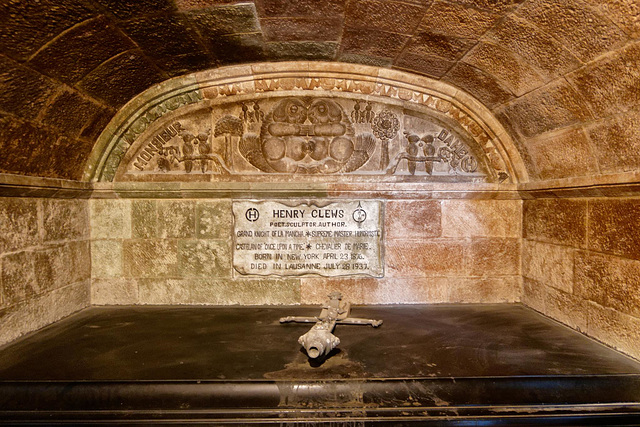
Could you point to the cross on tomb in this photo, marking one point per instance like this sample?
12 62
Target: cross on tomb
319 340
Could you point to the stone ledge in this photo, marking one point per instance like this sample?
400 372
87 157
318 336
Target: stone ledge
32 186
617 185
611 185
504 400
104 190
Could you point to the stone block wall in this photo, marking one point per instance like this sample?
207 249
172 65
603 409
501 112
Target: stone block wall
147 251
573 259
45 264
581 266
178 251
440 251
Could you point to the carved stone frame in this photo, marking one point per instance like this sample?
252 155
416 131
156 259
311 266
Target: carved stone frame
326 79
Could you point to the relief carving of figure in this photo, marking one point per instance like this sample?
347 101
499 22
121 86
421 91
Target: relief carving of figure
423 150
306 135
187 150
251 116
191 151
362 116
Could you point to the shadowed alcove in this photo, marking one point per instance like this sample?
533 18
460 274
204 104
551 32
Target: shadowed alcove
498 142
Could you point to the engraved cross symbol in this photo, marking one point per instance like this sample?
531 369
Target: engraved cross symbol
359 215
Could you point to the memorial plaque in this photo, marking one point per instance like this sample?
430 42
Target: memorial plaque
289 239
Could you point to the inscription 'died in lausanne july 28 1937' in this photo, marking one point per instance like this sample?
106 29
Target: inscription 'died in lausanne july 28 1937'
335 239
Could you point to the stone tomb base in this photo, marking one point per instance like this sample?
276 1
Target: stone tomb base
444 365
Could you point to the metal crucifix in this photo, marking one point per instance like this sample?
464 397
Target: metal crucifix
319 340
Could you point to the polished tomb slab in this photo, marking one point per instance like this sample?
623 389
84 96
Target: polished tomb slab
441 364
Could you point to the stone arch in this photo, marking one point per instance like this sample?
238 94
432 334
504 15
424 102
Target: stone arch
466 129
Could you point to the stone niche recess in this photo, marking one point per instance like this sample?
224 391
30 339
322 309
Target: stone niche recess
182 171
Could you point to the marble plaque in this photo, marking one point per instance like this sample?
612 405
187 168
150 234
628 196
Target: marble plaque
289 239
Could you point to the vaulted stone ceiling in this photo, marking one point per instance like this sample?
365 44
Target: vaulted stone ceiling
563 76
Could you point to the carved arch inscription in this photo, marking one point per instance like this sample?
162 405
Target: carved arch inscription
311 126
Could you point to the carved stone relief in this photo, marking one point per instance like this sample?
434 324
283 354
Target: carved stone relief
250 94
307 136
304 135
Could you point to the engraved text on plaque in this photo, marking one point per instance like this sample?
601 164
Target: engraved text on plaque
335 239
